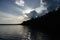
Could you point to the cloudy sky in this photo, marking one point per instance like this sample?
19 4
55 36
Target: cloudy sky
14 11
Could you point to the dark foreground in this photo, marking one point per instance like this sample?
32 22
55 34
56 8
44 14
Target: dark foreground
48 24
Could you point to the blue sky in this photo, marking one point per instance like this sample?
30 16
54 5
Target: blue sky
14 11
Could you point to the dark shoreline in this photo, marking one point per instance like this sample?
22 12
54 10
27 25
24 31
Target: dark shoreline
9 24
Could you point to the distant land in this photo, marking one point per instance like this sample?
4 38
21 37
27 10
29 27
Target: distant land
9 24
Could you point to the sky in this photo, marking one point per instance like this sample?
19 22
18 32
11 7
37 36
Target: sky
14 11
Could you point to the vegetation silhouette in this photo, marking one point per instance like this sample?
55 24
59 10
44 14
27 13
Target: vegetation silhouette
47 24
50 19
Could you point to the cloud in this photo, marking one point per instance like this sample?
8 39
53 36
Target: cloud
47 5
20 2
27 11
41 9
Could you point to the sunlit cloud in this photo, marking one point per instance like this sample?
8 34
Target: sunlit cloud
28 10
42 7
20 2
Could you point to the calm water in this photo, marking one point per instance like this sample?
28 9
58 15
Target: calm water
19 32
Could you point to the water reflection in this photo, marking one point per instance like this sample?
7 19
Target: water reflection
13 32
19 32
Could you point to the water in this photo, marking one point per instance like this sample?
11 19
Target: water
19 32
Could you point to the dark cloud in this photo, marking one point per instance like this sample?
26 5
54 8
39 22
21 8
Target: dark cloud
52 4
33 14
